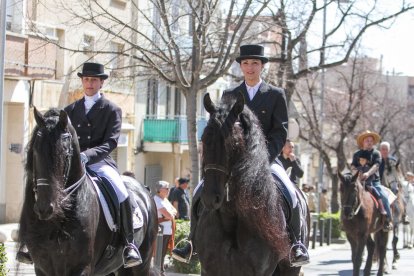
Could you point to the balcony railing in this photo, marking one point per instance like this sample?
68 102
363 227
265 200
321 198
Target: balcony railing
170 130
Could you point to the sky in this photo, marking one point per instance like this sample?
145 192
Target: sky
395 44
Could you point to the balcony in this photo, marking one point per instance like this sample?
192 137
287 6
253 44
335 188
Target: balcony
172 130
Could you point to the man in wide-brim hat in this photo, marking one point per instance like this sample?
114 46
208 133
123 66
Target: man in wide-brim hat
367 133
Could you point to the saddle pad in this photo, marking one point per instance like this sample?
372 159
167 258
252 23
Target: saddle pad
390 195
108 217
137 216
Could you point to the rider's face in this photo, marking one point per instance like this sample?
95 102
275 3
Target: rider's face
384 151
251 68
91 85
368 142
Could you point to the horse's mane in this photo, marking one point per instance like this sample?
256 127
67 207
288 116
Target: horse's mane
255 192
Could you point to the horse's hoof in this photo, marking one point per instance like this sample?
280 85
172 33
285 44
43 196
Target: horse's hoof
394 267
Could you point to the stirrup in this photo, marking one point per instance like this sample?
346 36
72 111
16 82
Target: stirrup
304 249
133 247
178 257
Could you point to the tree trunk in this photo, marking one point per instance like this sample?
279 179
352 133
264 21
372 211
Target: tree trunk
191 106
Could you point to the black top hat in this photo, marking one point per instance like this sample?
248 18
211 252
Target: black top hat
91 69
183 181
253 51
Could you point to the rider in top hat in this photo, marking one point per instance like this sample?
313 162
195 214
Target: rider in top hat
98 125
369 172
269 105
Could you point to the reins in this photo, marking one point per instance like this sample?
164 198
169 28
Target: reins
222 169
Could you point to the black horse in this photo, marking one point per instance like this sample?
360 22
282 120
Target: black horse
242 229
62 222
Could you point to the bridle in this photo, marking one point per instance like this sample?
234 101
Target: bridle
68 152
222 169
356 206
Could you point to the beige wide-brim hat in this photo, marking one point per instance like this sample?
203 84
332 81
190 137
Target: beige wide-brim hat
365 134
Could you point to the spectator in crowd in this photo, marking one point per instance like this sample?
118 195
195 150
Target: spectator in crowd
180 199
166 213
323 201
288 159
176 184
311 199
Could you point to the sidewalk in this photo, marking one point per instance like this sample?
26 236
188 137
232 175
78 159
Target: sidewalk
6 230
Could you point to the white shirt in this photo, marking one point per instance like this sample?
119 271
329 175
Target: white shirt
90 101
164 203
252 90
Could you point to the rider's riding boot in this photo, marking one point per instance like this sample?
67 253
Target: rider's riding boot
298 252
184 254
24 256
381 207
132 256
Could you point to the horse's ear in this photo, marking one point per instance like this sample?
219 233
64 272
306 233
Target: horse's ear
208 104
63 120
355 177
40 121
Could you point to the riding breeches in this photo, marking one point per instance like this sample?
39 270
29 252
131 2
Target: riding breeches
281 174
104 170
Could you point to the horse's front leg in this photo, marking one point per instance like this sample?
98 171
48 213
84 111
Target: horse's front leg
370 249
381 240
356 255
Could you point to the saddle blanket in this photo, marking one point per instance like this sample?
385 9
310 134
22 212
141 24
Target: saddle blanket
390 195
137 216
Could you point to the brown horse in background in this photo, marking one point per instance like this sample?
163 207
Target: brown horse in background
392 179
360 218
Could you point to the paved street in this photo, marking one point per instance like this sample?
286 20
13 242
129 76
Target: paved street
337 261
325 261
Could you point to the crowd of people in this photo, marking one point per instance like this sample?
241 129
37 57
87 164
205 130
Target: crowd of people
172 203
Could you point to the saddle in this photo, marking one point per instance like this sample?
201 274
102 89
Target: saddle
110 203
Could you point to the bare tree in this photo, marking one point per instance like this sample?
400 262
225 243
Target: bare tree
188 44
192 61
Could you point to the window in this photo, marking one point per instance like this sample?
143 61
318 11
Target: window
177 102
117 59
88 44
168 102
152 97
157 23
411 92
175 12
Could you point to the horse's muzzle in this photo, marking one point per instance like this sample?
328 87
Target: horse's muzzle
44 211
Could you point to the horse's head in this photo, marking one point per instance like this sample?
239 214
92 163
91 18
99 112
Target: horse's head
50 155
218 148
350 194
392 177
